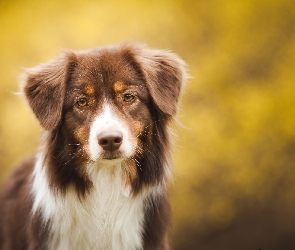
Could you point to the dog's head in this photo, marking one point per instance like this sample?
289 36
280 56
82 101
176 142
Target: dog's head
107 106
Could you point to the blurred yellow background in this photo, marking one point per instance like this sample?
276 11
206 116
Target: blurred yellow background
234 184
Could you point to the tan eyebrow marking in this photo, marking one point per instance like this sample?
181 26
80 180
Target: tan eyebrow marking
119 87
89 90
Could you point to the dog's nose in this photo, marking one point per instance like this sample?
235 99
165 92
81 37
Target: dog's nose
110 140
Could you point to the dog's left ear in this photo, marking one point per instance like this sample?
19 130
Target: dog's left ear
44 87
165 75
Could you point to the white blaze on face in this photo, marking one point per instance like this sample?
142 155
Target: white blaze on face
106 121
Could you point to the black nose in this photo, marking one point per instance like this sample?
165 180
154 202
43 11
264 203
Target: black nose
110 140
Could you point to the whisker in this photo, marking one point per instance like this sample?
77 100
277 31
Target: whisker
138 164
154 122
74 155
145 131
147 150
77 144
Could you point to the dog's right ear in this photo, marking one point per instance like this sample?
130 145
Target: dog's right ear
44 87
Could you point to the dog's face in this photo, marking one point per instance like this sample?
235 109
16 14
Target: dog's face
106 106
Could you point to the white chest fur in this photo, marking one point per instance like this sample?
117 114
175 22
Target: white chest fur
107 218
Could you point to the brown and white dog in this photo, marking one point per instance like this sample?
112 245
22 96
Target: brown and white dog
98 180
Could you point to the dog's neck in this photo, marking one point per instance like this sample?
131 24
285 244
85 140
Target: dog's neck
108 217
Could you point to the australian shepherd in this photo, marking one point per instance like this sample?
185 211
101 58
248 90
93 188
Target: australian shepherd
98 179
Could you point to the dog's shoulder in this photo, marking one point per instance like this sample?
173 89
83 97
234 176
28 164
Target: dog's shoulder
17 180
15 203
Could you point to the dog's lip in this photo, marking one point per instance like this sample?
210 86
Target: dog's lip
110 158
111 155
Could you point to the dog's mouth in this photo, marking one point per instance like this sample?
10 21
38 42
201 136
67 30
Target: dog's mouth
114 155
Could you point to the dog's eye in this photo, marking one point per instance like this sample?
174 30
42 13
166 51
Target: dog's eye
128 98
82 102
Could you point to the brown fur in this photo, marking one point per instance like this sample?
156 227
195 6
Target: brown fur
52 91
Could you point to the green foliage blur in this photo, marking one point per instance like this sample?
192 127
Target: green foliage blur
234 185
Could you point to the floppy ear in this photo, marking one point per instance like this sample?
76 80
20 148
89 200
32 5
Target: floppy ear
165 76
44 87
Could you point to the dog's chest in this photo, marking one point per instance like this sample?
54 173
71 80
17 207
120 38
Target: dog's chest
108 218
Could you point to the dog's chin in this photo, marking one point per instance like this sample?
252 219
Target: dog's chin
110 158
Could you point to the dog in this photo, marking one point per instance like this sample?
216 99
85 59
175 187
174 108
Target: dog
99 178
